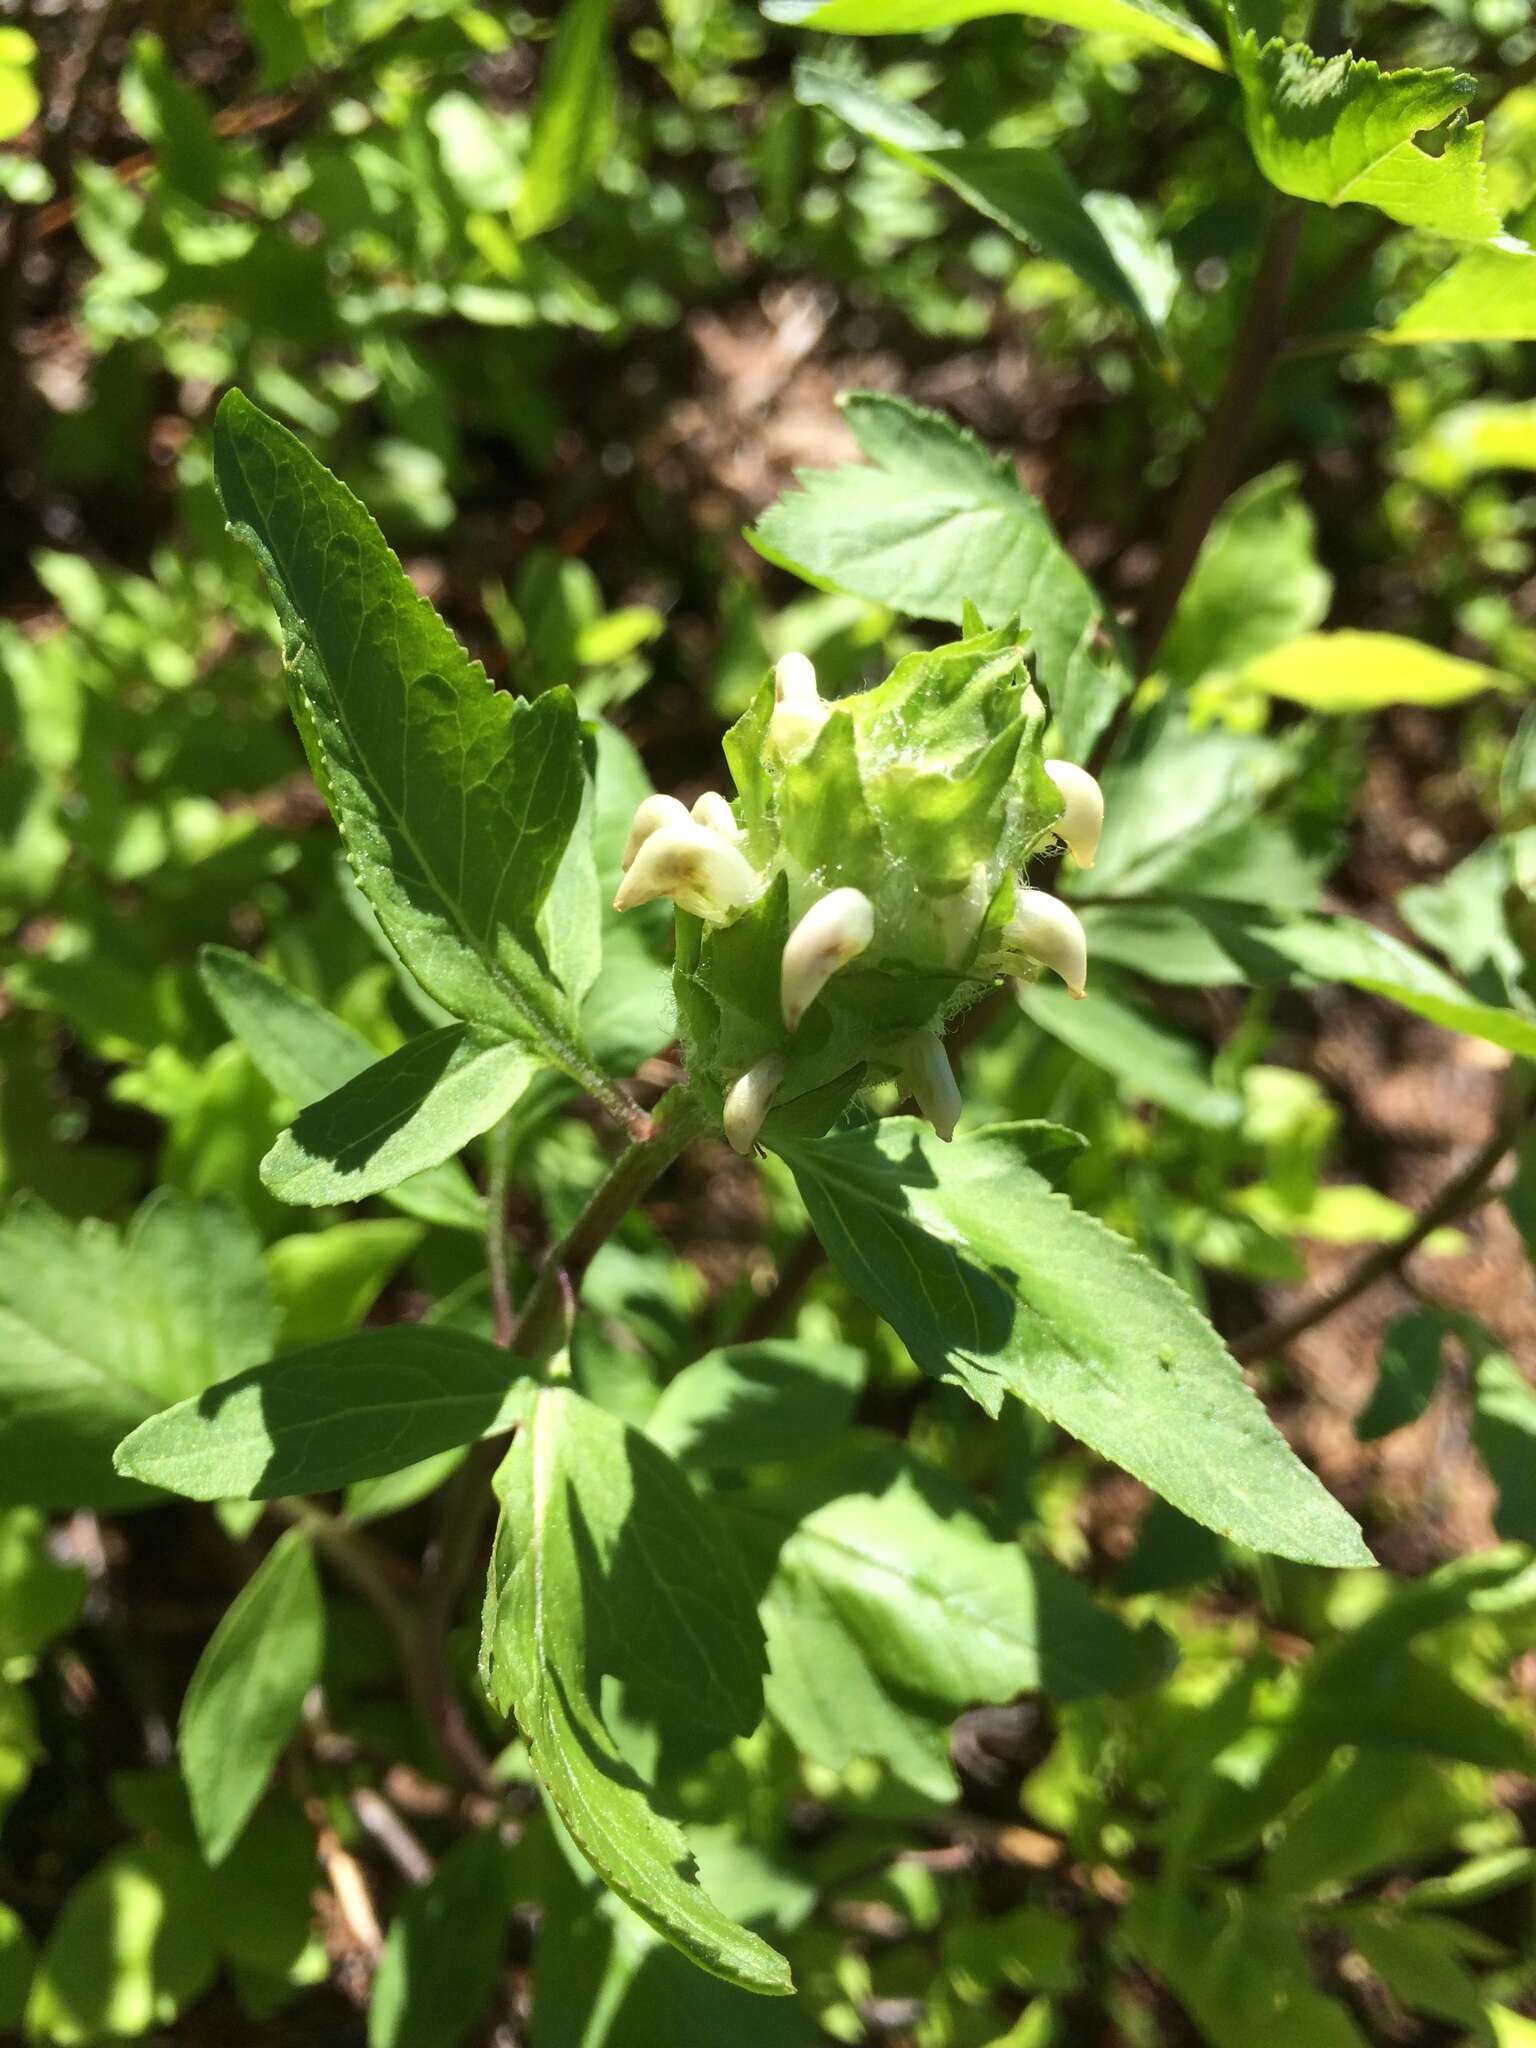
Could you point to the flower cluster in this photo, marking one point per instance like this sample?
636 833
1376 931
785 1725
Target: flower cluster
866 885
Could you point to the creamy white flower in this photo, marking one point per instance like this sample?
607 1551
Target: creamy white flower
713 812
653 815
1082 817
831 933
695 867
931 1082
794 680
1043 929
749 1101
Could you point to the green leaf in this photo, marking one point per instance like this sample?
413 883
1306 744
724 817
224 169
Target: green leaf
1504 1431
1418 1960
996 1284
445 1950
606 1565
1152 1059
19 99
98 1330
932 522
1257 584
39 1599
353 1409
1027 191
754 1404
247 1692
1487 295
131 1948
325 1281
304 1053
1407 1372
402 1116
456 802
1145 20
889 1606
1340 129
1349 672
573 119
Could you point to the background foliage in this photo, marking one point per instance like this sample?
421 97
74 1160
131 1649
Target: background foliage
1206 346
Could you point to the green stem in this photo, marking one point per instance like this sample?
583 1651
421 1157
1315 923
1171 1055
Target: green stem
498 1175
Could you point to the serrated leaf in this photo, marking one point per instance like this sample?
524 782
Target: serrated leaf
754 1404
1340 129
1487 295
996 1284
305 1053
98 1330
606 1565
1027 191
1145 20
355 1408
401 1116
889 1605
247 1692
456 802
931 522
1346 672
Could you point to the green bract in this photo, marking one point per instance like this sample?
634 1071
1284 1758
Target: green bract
869 876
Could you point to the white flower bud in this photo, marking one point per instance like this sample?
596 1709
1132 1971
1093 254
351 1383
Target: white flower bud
794 680
930 1081
1044 929
1082 818
750 1100
831 933
692 865
794 725
713 812
1032 704
655 813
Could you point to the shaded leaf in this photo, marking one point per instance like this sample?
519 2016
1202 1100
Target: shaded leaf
754 1404
445 1950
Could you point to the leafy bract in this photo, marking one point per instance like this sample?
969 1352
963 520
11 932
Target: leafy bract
889 1606
606 1566
321 1417
1027 191
247 1692
400 1117
932 523
1350 672
996 1284
305 1052
1486 295
456 802
1338 128
1146 20
98 1330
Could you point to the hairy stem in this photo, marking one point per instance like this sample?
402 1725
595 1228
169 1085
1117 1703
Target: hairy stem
1209 479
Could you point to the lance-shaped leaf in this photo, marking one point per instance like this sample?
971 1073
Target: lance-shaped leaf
889 1606
572 119
1027 191
456 802
997 1284
246 1694
305 1052
99 1329
1347 672
1338 129
354 1408
1149 21
399 1117
608 1573
933 522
